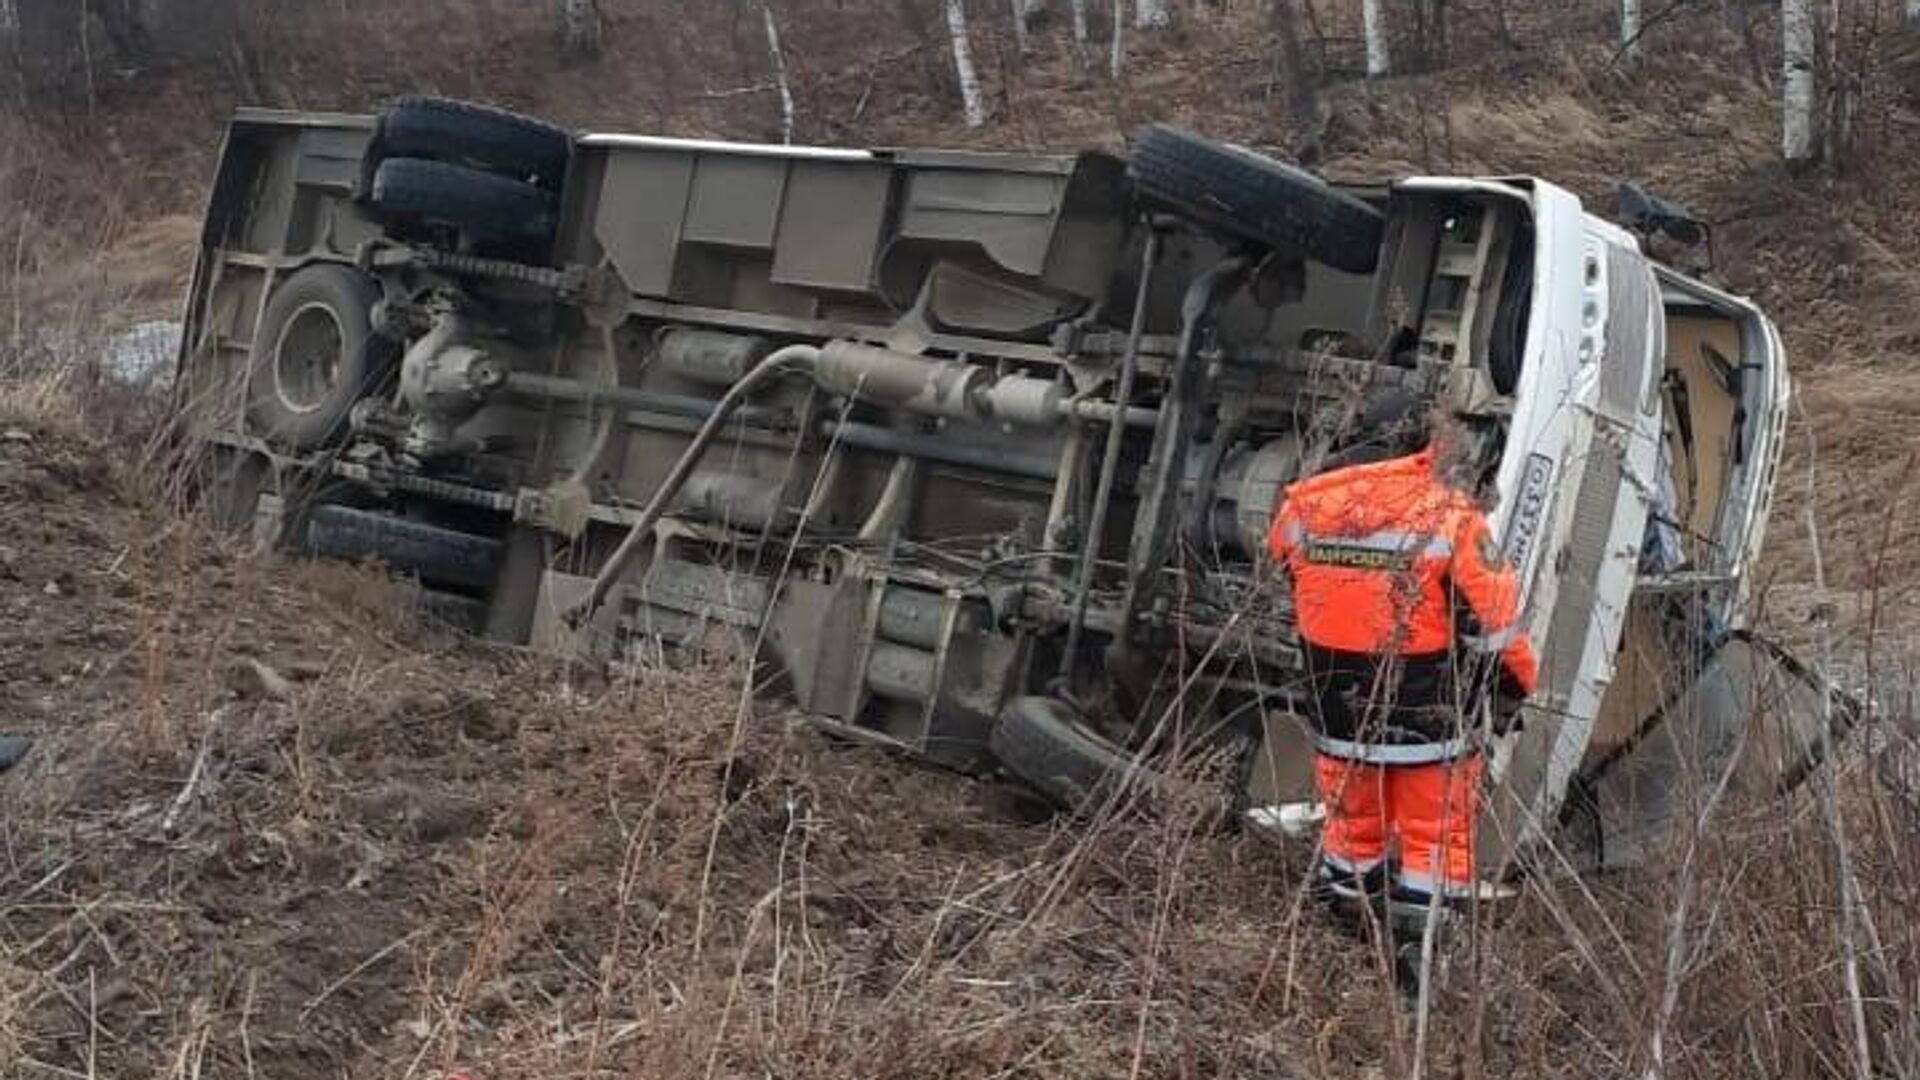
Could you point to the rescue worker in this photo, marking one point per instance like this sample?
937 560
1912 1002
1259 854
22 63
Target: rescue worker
1403 603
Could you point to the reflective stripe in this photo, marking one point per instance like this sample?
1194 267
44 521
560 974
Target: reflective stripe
1428 884
1392 541
1493 642
1341 879
1349 866
1391 753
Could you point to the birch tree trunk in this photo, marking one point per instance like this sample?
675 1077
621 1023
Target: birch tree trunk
779 72
970 98
1083 36
579 28
1022 40
1797 91
1118 61
1379 59
1148 14
1630 28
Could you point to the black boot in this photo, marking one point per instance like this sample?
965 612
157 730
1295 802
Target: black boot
1355 899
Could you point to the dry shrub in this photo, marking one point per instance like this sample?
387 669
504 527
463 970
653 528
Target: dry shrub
1744 935
74 276
753 901
756 900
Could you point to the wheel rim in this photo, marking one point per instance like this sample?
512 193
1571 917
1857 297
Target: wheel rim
308 357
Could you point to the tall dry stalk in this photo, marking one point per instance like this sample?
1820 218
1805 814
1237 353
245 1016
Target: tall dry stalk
1824 783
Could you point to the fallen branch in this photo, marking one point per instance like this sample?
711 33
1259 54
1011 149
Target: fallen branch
194 776
336 985
738 91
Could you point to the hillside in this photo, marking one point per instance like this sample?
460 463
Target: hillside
279 824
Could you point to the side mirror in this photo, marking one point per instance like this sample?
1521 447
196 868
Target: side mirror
1646 213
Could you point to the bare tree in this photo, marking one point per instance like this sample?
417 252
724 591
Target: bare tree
1117 62
779 71
1148 14
1797 137
1082 35
971 100
1630 28
579 27
1379 59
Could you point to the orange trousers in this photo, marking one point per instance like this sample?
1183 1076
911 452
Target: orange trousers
1430 809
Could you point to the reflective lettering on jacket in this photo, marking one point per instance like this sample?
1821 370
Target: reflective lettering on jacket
1384 557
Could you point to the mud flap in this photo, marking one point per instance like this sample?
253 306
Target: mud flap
1747 729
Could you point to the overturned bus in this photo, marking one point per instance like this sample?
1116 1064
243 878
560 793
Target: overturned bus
976 452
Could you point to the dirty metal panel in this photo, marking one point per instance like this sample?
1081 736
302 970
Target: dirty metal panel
643 206
1010 214
831 224
814 630
705 590
974 684
1092 230
960 299
330 158
736 200
265 219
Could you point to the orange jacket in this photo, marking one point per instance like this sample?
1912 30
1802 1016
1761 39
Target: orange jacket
1379 554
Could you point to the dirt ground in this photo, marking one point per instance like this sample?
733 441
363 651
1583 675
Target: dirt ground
278 824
